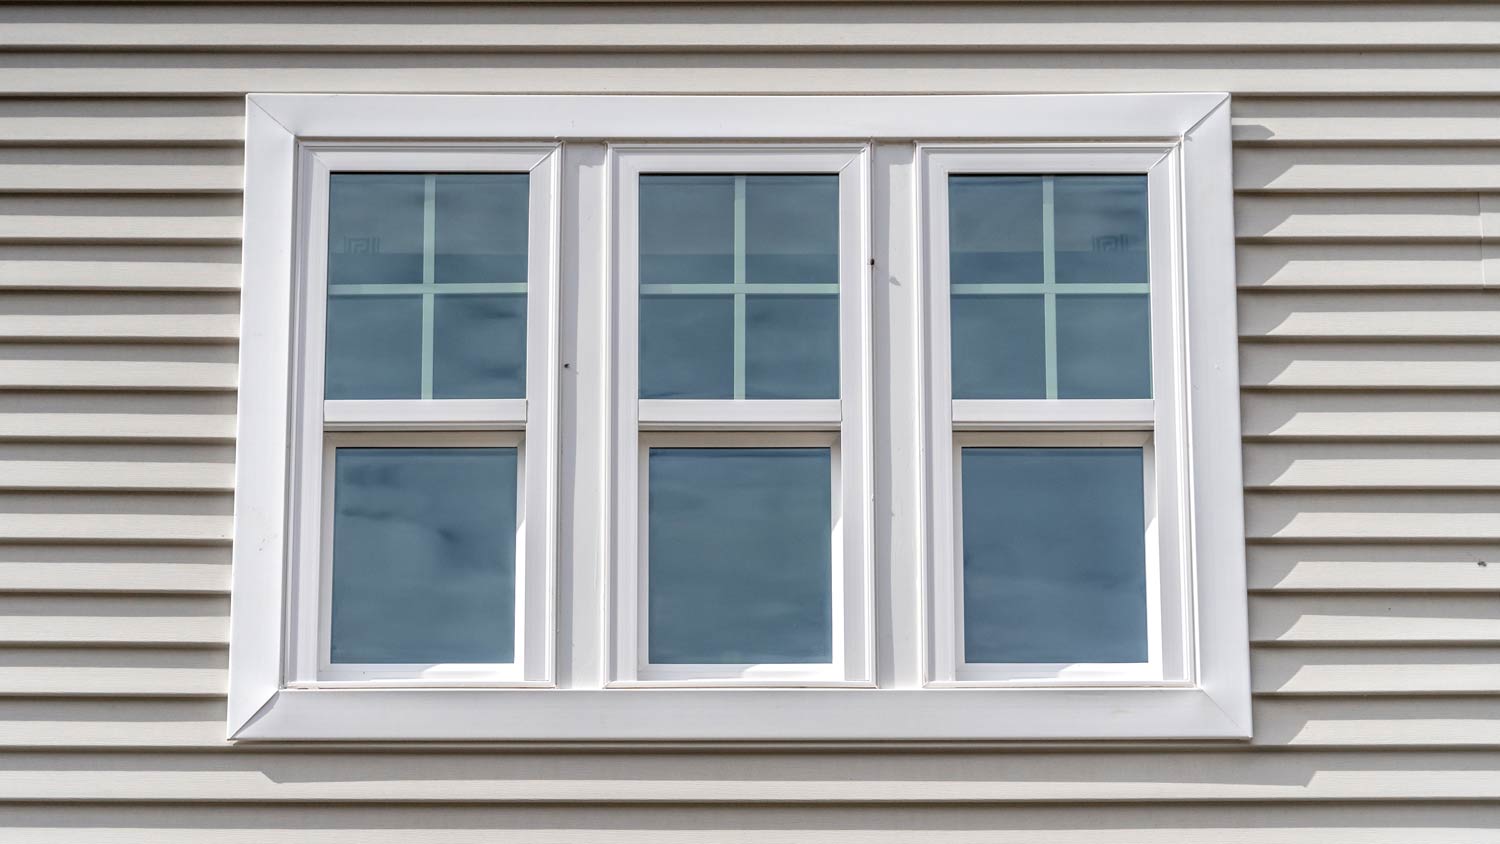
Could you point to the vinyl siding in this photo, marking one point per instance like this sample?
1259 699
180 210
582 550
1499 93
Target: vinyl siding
1367 169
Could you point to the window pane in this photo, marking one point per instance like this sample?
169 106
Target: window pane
375 228
687 347
722 240
1064 342
995 229
792 229
791 347
740 555
479 347
374 347
480 227
999 351
1054 565
424 544
419 340
686 229
1103 347
1101 229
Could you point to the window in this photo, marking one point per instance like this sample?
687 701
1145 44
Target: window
738 418
743 316
1054 383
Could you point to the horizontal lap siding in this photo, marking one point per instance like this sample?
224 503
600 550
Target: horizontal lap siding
1367 151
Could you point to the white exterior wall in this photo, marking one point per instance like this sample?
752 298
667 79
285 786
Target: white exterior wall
1368 211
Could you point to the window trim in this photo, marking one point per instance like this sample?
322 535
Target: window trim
261 707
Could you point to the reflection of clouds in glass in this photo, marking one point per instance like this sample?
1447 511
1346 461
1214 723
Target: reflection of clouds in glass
995 229
424 555
1101 229
1103 347
999 351
686 229
375 228
791 347
687 347
1054 555
740 545
373 348
479 347
480 227
792 229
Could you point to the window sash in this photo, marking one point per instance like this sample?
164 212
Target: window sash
952 424
528 423
837 423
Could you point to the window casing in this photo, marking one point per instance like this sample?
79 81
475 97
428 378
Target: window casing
892 440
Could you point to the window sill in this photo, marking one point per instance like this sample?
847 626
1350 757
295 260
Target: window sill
755 715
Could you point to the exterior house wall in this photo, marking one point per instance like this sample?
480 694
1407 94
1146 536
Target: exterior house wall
1367 169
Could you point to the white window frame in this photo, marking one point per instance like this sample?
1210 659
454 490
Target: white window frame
266 701
1152 423
837 424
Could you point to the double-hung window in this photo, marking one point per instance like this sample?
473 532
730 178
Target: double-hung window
741 364
1054 366
753 419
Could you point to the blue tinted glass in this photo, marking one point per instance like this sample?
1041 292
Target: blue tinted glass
424 544
740 567
999 351
375 228
374 347
480 227
687 347
1100 229
791 347
1054 565
792 229
686 229
479 347
995 229
1103 347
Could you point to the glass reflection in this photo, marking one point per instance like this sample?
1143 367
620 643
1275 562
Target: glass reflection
1054 567
995 229
792 229
375 228
740 546
999 348
479 347
480 227
1101 229
1103 347
424 543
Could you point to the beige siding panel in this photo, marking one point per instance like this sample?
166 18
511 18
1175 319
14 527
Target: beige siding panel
1370 366
209 73
116 374
1372 517
520 777
146 724
1415 169
1354 416
1379 670
138 427
86 122
1365 619
1385 121
1372 316
119 170
1358 217
1371 466
176 621
1375 265
113 673
1178 26
1393 823
1374 568
1361 723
